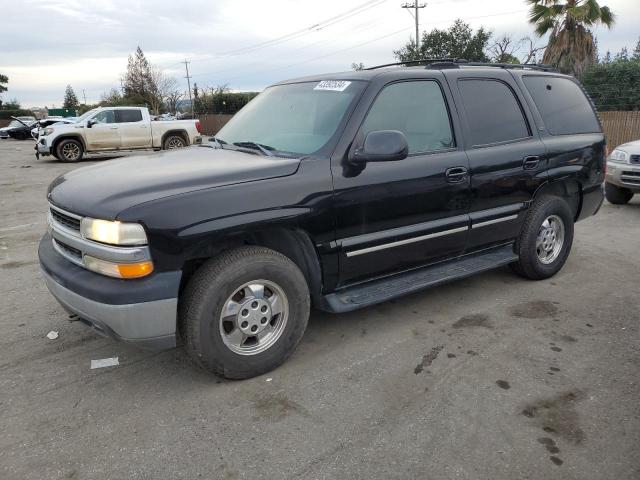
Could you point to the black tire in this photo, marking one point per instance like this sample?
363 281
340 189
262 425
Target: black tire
617 195
529 264
209 289
172 141
69 150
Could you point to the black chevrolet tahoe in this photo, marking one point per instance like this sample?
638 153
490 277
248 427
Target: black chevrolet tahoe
332 191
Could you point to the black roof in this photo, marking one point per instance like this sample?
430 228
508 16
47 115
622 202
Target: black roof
398 70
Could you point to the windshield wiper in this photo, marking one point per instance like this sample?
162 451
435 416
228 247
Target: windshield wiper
218 142
265 149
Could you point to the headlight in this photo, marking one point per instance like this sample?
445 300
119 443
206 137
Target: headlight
47 131
619 156
113 233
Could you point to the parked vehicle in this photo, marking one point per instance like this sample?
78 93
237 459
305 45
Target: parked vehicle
40 125
115 128
17 126
333 191
623 173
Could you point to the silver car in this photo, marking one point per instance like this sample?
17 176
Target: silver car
623 173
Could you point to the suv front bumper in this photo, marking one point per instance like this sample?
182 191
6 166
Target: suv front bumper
624 175
42 147
142 311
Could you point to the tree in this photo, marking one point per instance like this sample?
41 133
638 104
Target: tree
160 87
357 66
459 41
173 98
622 55
3 81
614 85
503 50
533 50
138 82
70 99
635 55
571 45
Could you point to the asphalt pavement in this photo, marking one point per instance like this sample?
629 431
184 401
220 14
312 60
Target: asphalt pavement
492 377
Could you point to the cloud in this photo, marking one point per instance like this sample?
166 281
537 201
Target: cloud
51 43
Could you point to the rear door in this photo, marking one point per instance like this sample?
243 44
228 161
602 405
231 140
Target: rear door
391 216
104 134
135 131
507 158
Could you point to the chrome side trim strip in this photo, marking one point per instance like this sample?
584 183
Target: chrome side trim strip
406 241
495 220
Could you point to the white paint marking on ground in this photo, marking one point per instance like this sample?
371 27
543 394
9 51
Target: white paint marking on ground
104 362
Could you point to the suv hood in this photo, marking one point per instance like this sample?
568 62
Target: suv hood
104 190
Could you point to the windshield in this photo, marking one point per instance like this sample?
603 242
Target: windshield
15 123
85 116
298 118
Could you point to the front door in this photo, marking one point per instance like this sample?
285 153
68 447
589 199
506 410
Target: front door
395 215
135 132
103 134
507 159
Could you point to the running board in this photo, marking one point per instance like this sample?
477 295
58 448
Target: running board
381 290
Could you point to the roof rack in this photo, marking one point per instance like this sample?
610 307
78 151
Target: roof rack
442 63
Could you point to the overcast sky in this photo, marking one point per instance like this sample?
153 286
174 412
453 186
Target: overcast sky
47 44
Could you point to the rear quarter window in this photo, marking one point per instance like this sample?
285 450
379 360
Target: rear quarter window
128 116
564 107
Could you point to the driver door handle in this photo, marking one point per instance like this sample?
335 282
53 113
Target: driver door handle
530 162
456 174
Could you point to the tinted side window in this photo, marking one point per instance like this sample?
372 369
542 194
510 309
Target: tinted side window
493 112
105 116
563 106
127 116
418 110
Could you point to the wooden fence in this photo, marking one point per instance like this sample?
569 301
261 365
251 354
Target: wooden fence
620 127
213 122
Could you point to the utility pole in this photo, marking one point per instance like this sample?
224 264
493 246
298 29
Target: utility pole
186 67
415 5
85 96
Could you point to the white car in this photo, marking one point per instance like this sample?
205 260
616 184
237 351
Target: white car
623 173
115 128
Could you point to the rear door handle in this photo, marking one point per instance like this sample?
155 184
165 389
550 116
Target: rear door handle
456 174
530 162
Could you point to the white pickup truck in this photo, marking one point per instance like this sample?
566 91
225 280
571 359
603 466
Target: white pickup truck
115 128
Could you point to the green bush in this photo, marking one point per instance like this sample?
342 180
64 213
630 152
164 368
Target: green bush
614 85
222 102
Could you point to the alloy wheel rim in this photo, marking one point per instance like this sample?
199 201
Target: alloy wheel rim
175 143
254 317
550 239
71 151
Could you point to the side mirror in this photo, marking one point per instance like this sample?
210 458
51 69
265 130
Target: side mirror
381 146
91 122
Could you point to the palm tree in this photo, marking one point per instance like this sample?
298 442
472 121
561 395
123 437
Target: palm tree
571 45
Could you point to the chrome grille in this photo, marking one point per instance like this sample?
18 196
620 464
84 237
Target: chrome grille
74 252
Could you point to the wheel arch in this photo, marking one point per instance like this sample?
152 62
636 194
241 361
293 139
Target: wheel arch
293 243
73 136
568 189
182 133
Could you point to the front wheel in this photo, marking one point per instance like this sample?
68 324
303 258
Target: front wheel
617 195
243 313
69 150
546 238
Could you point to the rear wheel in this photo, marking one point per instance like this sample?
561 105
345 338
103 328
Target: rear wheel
617 195
243 313
173 141
546 238
69 150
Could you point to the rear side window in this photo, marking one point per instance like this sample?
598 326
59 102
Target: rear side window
564 107
415 108
493 112
128 116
